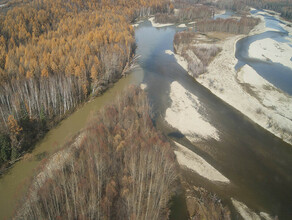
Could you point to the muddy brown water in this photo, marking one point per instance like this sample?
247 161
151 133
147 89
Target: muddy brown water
258 164
14 183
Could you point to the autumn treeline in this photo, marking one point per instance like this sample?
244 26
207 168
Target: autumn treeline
54 54
231 25
118 167
187 12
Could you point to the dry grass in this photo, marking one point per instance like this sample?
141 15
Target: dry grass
197 49
218 35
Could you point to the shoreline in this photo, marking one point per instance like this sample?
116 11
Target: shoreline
55 161
48 146
184 113
56 122
246 213
159 25
192 161
246 90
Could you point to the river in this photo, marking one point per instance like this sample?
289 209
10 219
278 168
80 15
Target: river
257 163
14 183
276 73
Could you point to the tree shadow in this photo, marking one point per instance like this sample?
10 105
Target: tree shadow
176 134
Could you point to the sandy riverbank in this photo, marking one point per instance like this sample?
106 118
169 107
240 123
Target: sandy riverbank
56 161
268 49
246 90
158 25
184 114
271 50
182 26
194 162
247 213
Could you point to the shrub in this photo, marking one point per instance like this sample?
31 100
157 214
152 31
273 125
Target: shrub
5 149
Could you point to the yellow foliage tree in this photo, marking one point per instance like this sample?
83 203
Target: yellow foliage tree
45 73
13 125
94 74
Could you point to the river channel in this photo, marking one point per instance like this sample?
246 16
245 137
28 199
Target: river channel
257 163
276 73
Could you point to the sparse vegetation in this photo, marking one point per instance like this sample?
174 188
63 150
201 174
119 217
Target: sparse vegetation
197 55
202 204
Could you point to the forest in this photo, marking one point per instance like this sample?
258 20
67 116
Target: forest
242 26
187 12
117 167
54 55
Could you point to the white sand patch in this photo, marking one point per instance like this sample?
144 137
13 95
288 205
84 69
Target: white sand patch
182 26
244 211
196 163
158 25
250 76
270 108
266 216
269 49
143 86
184 115
193 22
169 52
135 25
181 61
